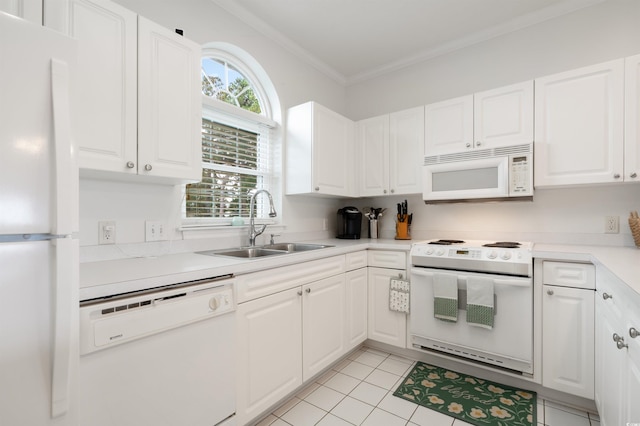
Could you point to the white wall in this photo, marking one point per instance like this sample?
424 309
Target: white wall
602 32
559 216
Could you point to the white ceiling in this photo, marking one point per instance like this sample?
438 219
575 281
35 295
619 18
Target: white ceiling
353 40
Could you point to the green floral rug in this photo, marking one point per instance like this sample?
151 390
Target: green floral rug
476 401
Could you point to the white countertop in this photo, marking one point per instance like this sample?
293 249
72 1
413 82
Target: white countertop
98 279
623 262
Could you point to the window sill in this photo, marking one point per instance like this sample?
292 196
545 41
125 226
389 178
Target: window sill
217 231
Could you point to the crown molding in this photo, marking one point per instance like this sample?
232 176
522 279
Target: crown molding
524 21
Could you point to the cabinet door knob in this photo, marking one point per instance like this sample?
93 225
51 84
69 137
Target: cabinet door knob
468 145
606 296
393 190
550 292
317 188
633 175
478 143
616 176
130 164
384 191
620 344
299 292
634 333
148 167
617 337
308 290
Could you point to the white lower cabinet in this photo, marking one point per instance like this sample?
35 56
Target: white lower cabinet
617 389
568 340
287 337
385 325
269 351
568 327
356 303
323 324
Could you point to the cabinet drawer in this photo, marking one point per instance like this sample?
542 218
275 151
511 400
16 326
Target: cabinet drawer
387 259
567 274
263 283
356 260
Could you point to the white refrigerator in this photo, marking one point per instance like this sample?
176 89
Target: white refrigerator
38 224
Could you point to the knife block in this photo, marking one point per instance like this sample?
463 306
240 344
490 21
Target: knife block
402 231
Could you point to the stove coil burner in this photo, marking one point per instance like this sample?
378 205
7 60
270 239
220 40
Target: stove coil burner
446 242
503 244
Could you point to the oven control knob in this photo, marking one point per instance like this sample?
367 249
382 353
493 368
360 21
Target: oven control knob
492 254
429 251
440 252
506 255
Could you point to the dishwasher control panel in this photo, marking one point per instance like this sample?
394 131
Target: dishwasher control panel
113 322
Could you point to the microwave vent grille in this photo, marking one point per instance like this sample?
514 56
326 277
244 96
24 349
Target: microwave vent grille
478 154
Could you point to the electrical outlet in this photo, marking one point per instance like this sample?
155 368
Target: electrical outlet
107 232
154 230
611 224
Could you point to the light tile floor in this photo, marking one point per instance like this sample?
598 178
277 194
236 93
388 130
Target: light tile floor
359 391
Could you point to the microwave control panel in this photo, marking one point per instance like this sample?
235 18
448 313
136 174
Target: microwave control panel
520 175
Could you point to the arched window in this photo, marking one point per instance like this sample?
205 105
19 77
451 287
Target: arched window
237 139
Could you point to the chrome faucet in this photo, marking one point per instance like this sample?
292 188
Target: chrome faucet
253 233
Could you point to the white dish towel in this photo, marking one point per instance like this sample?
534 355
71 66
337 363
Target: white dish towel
480 309
445 297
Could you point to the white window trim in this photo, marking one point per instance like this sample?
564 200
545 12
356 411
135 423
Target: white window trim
231 114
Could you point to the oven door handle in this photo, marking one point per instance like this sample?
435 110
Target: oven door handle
511 282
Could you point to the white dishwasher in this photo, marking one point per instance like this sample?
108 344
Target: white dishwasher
159 358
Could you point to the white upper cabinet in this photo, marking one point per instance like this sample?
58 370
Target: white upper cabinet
449 126
169 104
579 126
138 89
494 118
391 153
320 152
31 10
406 151
106 81
632 119
503 116
373 148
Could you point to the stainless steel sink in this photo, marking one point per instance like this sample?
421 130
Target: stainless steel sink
244 252
262 251
294 247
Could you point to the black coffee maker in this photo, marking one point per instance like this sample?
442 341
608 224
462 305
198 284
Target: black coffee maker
349 223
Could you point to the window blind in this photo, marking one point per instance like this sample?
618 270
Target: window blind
235 162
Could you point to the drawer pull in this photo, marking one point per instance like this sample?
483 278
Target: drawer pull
606 296
617 337
634 333
620 344
550 292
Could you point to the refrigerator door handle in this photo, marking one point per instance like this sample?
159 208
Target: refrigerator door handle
65 323
66 275
63 164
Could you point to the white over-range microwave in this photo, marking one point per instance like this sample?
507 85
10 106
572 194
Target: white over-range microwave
494 174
